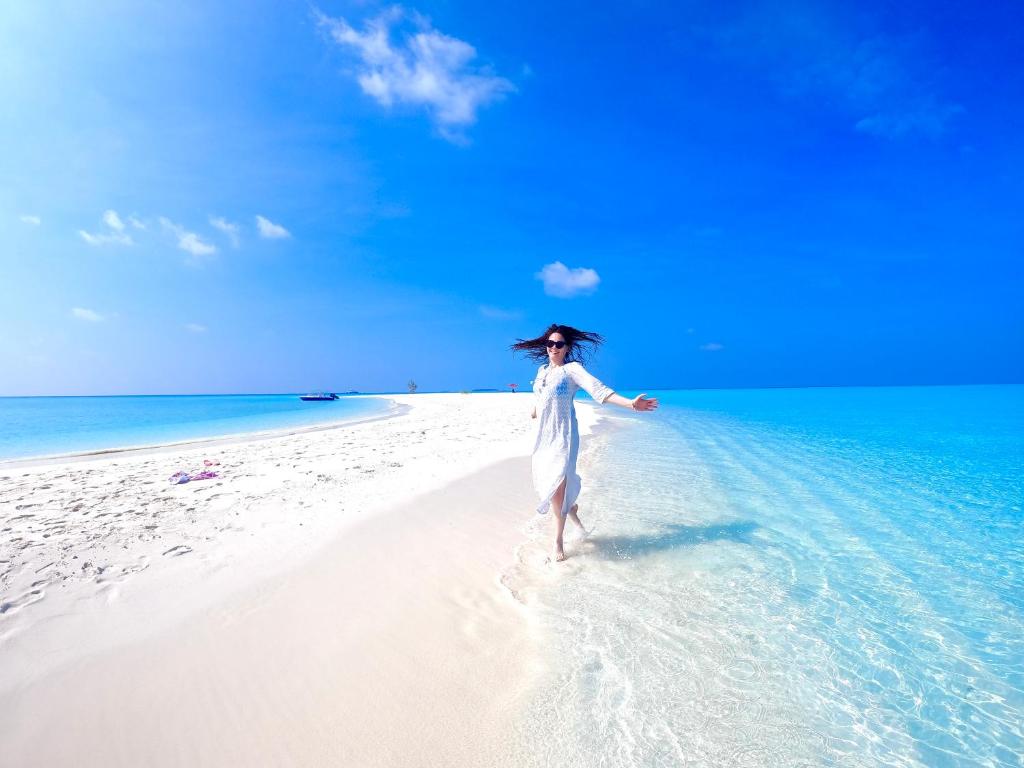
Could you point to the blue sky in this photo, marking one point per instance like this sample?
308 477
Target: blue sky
281 196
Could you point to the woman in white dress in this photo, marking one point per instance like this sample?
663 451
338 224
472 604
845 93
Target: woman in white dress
562 349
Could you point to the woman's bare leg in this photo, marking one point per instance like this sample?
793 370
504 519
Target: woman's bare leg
575 517
556 510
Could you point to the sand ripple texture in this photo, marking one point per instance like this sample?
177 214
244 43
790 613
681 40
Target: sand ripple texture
108 536
754 598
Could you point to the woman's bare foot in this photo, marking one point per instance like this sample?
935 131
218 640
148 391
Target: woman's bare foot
559 551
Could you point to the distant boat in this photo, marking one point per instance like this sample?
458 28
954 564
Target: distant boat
319 396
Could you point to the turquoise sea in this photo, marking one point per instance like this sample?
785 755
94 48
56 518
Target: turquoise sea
803 577
44 426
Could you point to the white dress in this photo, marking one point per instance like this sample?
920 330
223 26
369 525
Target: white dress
558 435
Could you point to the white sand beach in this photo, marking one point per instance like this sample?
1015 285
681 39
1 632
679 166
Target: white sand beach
331 598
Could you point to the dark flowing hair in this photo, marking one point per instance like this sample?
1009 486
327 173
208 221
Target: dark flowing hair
581 344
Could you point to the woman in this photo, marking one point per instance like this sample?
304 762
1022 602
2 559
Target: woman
558 435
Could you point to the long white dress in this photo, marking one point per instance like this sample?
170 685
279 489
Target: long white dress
558 435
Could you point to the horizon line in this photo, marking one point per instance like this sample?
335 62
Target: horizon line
523 390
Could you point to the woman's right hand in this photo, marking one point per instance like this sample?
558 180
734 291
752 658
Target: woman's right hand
644 403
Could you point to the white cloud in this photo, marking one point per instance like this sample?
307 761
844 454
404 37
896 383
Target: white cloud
711 347
112 220
113 235
426 68
136 224
565 283
270 230
86 314
195 327
105 238
33 221
189 242
497 313
228 228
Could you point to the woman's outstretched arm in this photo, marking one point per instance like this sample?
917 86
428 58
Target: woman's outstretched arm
604 394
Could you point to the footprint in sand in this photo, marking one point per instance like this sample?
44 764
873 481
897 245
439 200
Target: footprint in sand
118 577
12 606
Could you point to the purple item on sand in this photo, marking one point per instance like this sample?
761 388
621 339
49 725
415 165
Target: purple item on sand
184 477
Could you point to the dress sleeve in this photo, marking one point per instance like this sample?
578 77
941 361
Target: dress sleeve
585 381
537 379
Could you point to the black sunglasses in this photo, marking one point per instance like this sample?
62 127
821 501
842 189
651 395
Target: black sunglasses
556 344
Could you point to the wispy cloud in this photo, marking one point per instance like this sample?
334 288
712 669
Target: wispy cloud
86 314
888 85
497 313
926 117
136 223
270 230
425 68
112 234
105 238
712 346
195 327
112 220
564 283
33 221
228 228
190 242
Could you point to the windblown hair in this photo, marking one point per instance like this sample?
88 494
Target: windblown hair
581 344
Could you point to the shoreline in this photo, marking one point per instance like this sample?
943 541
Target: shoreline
396 408
231 438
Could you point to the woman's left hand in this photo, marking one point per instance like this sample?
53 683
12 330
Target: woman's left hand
644 403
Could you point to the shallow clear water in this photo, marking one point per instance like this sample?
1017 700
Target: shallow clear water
42 426
788 578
